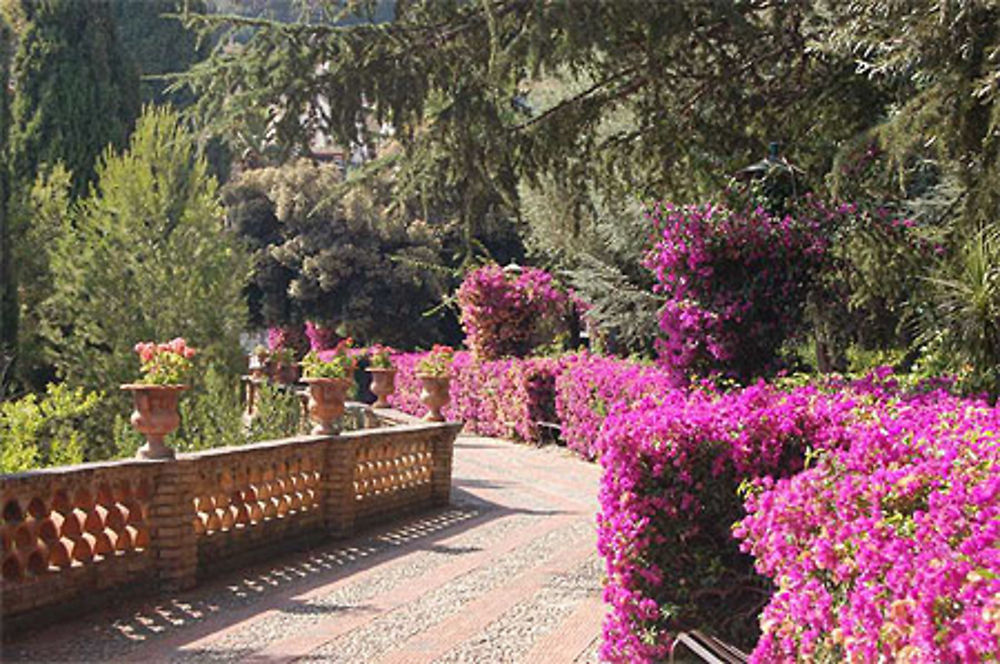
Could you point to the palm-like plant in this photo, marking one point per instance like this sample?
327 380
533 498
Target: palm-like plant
964 313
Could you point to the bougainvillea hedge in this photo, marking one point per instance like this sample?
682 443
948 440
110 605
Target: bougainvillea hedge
886 547
505 398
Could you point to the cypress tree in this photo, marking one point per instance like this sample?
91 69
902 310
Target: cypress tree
75 91
8 289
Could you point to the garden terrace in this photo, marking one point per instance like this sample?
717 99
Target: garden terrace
508 571
74 535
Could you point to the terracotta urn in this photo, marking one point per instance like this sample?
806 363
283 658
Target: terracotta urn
155 416
383 384
326 403
434 395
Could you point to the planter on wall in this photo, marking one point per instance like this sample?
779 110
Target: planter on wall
383 384
155 416
326 403
435 395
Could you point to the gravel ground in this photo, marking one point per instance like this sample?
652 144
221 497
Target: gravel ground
509 638
379 636
114 633
353 597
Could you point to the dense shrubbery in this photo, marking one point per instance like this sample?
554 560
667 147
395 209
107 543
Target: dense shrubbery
499 398
509 314
736 284
886 549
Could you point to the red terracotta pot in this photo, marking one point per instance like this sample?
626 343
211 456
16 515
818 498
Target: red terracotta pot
435 395
326 403
155 416
383 384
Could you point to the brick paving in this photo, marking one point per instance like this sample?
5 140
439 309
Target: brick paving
508 573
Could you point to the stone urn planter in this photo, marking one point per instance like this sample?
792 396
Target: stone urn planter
383 384
155 416
326 403
435 395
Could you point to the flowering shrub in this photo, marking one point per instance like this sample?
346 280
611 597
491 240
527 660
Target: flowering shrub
886 549
436 363
735 283
321 337
338 362
166 363
380 357
287 338
592 386
672 464
505 315
499 398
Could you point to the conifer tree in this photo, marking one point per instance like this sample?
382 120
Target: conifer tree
152 35
145 257
74 90
8 284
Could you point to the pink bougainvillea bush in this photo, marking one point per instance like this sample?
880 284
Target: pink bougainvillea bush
672 465
506 314
321 336
288 338
735 283
590 387
887 549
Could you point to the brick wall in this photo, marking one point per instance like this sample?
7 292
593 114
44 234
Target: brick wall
76 535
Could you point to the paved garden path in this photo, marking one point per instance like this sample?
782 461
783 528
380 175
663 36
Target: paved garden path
508 573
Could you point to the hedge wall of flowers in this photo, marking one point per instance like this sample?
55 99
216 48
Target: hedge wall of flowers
849 521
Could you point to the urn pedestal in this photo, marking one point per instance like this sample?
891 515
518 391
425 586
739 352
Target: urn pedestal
326 403
155 416
435 395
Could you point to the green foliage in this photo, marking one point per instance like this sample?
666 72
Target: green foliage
279 414
482 94
158 43
8 279
75 91
324 255
48 431
44 212
210 413
600 241
938 61
960 327
145 257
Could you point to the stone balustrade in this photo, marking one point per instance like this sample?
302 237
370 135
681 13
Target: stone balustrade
72 534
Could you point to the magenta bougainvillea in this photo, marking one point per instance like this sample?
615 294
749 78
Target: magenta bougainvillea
321 336
287 338
887 548
506 314
735 284
882 547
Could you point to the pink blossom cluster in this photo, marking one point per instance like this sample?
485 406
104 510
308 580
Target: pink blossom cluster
287 338
735 283
321 337
887 548
593 386
165 363
502 314
672 465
